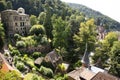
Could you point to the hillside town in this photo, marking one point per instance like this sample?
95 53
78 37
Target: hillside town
52 46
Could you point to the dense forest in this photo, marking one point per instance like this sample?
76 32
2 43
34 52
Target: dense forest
113 25
65 30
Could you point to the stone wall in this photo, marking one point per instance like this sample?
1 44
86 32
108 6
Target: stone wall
43 49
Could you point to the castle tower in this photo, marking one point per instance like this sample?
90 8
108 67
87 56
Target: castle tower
15 21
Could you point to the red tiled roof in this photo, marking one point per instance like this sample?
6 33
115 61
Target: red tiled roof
5 66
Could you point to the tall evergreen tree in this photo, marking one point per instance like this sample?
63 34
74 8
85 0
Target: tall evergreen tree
60 33
86 35
48 24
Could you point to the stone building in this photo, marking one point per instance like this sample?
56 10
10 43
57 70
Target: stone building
101 32
15 21
54 58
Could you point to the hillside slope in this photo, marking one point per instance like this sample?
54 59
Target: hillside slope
113 25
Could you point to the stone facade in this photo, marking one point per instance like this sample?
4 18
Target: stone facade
101 32
16 21
43 49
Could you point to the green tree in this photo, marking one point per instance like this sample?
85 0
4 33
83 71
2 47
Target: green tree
110 38
115 59
12 75
47 23
60 33
41 17
33 20
9 5
2 34
86 35
2 5
102 51
37 30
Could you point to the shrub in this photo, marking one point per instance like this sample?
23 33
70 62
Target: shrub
11 47
61 77
36 54
37 29
2 74
17 37
12 75
28 61
20 66
31 76
44 40
77 64
15 52
20 44
46 71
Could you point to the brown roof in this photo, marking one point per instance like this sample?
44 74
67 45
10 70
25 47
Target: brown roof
5 66
74 74
53 56
83 73
38 60
104 76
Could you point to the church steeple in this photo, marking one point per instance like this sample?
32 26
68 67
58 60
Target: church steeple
85 60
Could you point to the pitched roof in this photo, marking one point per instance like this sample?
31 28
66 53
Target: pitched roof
53 56
104 76
96 69
38 60
5 66
87 74
81 73
75 74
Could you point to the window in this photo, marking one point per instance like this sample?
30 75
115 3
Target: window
10 13
20 18
15 17
16 24
16 29
22 23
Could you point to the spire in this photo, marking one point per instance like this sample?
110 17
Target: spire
85 60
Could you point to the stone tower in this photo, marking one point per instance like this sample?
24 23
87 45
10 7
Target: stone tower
15 21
